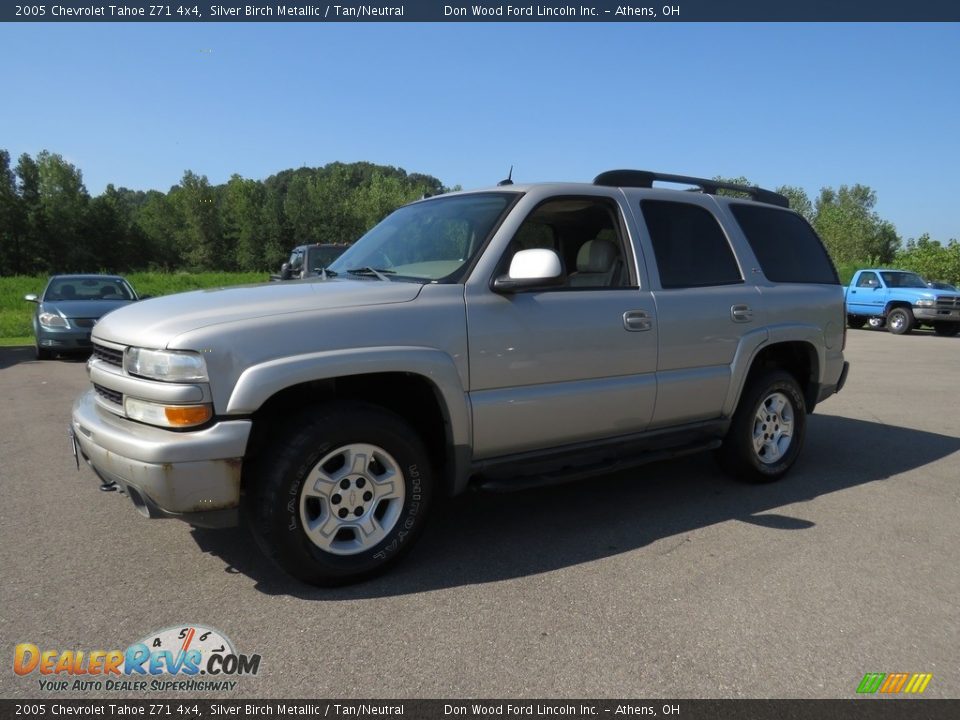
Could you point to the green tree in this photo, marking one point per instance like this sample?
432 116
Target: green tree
850 228
11 220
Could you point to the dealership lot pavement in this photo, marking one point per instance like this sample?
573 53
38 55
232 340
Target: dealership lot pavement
666 581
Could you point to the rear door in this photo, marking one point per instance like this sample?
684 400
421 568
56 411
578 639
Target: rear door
704 306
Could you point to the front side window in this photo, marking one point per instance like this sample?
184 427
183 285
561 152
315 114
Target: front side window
585 234
868 280
433 240
690 247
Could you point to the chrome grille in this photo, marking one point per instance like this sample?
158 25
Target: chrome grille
948 302
108 355
109 395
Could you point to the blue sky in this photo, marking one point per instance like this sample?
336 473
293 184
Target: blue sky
809 105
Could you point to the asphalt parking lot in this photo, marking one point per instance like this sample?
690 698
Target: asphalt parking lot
666 581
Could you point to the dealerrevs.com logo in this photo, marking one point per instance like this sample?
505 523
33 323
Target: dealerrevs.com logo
186 658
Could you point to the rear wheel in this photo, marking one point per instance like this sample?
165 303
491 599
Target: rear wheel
342 494
900 321
767 430
947 329
856 322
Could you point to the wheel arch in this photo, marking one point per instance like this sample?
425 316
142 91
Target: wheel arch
799 356
419 385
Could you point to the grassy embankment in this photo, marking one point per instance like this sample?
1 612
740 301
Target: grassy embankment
16 313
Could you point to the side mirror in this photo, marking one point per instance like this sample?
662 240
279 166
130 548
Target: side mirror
285 272
31 298
530 269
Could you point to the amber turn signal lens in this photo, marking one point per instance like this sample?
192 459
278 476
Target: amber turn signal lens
187 415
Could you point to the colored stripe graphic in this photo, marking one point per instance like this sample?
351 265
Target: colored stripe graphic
871 682
893 683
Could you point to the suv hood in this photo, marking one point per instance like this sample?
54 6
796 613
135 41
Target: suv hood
154 323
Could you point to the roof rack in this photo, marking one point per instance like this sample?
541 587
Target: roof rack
646 178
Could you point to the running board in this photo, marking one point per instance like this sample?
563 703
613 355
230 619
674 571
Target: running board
503 482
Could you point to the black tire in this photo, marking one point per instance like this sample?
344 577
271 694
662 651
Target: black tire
279 505
946 329
856 322
900 321
739 455
43 353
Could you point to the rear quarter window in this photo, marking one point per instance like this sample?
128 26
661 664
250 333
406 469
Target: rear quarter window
787 248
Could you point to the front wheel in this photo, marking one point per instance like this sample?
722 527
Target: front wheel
342 494
767 430
946 329
900 321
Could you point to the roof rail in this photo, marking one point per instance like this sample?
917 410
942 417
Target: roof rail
646 178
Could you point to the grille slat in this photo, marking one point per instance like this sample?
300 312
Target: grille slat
83 322
947 302
108 355
109 395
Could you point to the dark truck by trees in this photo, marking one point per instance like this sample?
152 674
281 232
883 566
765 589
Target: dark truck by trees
504 337
309 261
901 301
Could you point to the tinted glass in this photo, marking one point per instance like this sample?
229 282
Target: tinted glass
868 279
786 246
690 247
903 280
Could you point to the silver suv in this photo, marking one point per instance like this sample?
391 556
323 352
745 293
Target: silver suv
500 337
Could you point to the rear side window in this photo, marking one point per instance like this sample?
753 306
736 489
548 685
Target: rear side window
788 249
689 245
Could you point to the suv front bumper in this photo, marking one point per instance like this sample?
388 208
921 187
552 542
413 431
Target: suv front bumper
190 475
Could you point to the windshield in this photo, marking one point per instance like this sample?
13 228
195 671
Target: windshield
428 241
80 288
903 280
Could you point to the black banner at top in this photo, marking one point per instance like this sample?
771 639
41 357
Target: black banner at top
485 11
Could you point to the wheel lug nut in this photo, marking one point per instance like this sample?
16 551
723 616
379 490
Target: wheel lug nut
335 499
343 512
344 483
367 496
361 482
358 511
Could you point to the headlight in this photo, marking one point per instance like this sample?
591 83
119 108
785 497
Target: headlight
175 416
53 320
167 365
925 303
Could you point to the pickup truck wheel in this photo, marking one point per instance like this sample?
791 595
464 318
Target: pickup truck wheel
767 430
947 329
856 322
343 494
900 321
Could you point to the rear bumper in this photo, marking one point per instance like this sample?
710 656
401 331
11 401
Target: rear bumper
826 391
193 476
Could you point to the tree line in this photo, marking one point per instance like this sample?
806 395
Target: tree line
49 223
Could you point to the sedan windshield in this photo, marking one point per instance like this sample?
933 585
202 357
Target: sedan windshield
903 280
81 288
433 240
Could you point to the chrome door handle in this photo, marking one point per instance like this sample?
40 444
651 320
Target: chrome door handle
741 313
637 320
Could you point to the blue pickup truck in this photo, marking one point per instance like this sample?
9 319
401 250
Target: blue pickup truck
901 301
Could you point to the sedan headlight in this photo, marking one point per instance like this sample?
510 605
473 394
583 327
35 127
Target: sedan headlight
53 320
925 303
166 365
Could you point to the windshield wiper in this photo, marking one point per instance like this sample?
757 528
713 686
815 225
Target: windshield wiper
324 273
380 273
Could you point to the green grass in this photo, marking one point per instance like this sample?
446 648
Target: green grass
16 313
